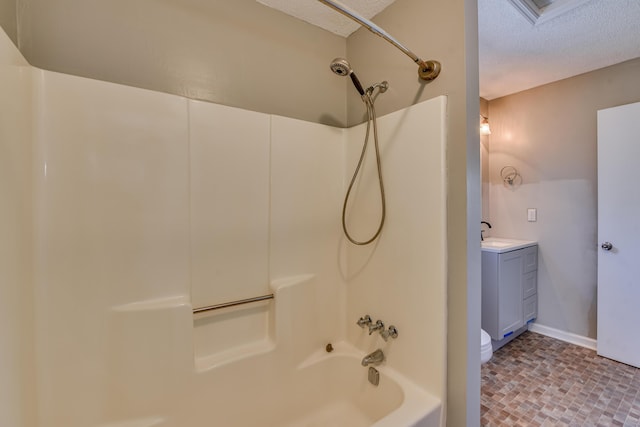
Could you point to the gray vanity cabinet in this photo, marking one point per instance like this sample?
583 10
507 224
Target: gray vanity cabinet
509 290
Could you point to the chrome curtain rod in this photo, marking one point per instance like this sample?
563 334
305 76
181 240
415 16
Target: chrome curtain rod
427 70
232 303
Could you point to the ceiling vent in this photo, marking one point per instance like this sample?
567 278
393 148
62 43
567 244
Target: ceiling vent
540 11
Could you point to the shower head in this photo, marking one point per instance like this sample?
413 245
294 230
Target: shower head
341 67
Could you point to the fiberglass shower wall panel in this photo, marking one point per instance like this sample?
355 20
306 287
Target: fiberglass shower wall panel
229 203
307 175
16 302
112 228
229 229
401 278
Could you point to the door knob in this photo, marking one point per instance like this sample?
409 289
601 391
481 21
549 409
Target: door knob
607 246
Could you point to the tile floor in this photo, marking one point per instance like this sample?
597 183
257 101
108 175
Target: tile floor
540 381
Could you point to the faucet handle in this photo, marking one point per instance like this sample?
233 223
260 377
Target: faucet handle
364 321
378 326
392 332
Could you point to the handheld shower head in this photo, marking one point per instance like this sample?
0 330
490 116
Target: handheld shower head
341 67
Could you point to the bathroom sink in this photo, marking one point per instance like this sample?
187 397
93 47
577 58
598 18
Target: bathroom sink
496 244
500 244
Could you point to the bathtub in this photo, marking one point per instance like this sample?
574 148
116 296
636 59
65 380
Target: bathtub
281 377
325 390
338 393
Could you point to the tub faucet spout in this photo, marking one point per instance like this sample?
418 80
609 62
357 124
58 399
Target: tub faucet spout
375 358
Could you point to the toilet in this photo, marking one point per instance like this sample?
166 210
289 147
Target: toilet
486 351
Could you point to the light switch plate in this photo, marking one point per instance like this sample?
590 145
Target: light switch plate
532 214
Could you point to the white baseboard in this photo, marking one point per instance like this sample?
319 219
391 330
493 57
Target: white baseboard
586 342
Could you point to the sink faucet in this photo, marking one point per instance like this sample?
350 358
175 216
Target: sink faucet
482 231
375 358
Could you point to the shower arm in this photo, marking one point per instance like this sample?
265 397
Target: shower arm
427 70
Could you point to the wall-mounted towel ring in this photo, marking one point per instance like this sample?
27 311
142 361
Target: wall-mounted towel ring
510 176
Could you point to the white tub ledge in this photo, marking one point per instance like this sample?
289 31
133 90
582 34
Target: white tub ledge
167 303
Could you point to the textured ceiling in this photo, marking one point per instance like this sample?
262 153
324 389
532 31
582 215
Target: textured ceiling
316 13
514 54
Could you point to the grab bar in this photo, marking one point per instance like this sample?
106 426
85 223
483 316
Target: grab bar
232 303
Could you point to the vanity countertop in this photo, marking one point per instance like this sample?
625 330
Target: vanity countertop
501 244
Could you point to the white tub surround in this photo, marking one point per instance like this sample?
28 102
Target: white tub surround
17 387
148 205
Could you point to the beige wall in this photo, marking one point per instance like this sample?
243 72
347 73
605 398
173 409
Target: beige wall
484 160
445 31
237 53
8 19
549 134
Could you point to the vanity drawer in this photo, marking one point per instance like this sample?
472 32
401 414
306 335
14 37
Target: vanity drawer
530 259
529 284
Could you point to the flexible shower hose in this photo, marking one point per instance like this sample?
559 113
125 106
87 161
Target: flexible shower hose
371 117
